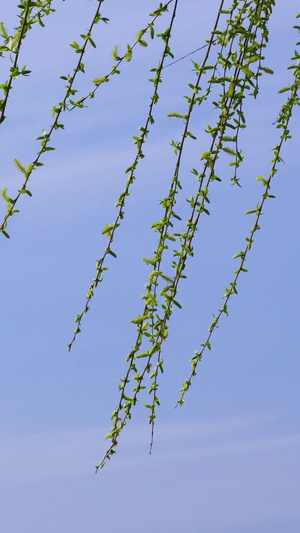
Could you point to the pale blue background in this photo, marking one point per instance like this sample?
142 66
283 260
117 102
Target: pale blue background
228 461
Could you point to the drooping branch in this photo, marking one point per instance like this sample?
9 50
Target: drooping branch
57 110
45 138
140 40
161 330
12 44
229 73
110 229
282 122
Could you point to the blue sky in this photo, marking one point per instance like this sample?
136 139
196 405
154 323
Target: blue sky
228 461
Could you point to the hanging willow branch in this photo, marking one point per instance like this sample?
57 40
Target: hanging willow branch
237 80
110 229
46 136
230 71
282 122
228 104
13 43
140 40
57 110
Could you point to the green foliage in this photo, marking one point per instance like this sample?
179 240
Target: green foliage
229 73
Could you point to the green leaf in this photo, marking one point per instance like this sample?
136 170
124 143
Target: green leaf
206 155
141 355
285 89
267 70
228 151
75 45
177 115
5 234
92 42
231 89
115 54
98 81
25 191
6 198
19 166
139 320
149 261
107 230
140 35
263 180
253 58
128 55
3 30
177 304
246 70
110 252
154 275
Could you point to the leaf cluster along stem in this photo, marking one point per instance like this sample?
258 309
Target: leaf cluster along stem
229 72
63 105
127 56
126 402
110 229
7 87
171 301
178 148
282 123
187 247
12 44
46 136
230 103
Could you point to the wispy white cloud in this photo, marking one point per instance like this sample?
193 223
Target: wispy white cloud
66 454
195 469
241 447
